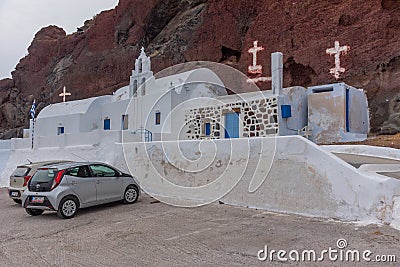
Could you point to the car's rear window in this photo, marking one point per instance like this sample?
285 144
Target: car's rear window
44 175
20 171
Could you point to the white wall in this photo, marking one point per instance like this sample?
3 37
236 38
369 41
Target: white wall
359 113
48 126
93 138
110 153
300 177
114 112
5 144
327 114
296 97
142 111
5 150
75 116
303 179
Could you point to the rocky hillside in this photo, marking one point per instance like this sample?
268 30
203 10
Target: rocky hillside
98 58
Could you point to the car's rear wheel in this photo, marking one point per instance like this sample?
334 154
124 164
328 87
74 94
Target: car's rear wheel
68 207
34 212
18 201
131 194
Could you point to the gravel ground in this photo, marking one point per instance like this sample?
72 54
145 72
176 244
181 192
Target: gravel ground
378 140
150 233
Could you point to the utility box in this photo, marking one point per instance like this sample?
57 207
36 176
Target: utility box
286 111
337 113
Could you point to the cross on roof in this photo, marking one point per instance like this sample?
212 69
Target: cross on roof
336 51
64 94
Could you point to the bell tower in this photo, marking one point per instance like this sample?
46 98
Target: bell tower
140 74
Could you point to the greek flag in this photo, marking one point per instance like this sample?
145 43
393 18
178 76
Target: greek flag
33 108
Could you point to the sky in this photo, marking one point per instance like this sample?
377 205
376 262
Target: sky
21 19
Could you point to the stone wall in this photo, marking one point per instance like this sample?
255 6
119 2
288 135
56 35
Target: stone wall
257 118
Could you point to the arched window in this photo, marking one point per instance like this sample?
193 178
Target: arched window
135 86
140 65
143 85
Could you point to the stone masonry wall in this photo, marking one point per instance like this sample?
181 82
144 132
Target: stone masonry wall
257 118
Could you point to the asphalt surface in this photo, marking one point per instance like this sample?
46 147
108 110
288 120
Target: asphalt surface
150 233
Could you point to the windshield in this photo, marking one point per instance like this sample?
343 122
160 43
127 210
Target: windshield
20 171
44 175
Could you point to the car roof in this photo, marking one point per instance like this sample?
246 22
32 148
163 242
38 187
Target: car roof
66 165
42 163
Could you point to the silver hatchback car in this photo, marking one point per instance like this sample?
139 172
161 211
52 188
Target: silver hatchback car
22 174
67 187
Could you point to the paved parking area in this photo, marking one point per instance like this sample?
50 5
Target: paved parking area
150 233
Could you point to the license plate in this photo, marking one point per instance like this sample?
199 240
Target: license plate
14 194
37 199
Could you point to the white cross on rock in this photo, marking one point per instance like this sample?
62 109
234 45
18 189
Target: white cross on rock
255 69
336 51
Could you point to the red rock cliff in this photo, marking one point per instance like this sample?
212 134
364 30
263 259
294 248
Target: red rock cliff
99 57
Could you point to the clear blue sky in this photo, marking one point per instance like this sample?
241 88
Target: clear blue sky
21 19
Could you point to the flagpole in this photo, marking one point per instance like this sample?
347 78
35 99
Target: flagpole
33 130
32 112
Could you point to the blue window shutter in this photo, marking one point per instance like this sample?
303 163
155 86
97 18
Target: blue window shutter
208 129
60 130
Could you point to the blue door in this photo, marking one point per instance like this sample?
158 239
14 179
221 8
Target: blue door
347 110
232 125
107 124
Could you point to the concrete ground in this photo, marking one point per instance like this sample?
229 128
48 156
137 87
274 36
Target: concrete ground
150 233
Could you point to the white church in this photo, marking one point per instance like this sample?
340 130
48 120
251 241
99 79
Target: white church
160 130
195 105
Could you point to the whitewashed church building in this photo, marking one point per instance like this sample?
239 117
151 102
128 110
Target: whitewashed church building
244 166
195 105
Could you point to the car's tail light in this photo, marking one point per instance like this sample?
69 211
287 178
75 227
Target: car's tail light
57 179
26 180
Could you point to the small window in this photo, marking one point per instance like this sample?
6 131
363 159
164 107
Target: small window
102 171
158 118
80 171
20 171
125 122
60 130
107 124
207 129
